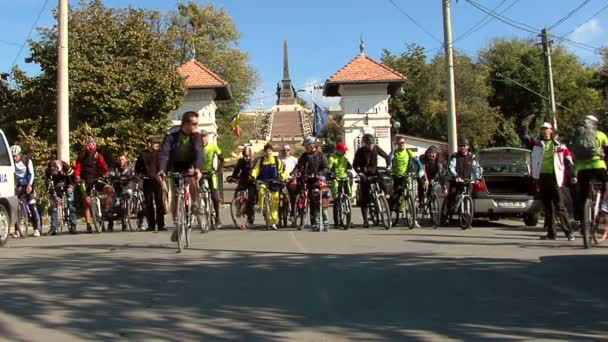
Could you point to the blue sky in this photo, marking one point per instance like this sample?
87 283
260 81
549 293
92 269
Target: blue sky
324 34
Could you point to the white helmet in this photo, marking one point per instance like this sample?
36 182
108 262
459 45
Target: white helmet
309 140
15 150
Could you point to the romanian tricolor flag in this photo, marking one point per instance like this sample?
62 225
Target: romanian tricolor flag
235 123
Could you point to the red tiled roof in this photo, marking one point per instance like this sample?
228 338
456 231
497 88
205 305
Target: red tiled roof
365 68
197 75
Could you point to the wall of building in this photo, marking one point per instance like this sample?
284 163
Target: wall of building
202 102
365 108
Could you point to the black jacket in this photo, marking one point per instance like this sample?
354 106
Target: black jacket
168 154
147 164
312 164
366 160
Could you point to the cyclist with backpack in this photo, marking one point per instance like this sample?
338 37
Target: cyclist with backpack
312 168
268 169
550 162
58 176
588 145
24 181
242 176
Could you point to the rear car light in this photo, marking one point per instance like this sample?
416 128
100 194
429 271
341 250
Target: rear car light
480 186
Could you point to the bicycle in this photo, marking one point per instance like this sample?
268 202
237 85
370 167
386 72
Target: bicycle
430 207
183 216
592 232
238 207
302 205
406 201
379 209
463 205
284 208
204 206
24 215
266 201
62 208
342 205
133 206
97 209
321 194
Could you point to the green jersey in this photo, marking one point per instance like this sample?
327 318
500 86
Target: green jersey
210 151
595 162
339 165
401 161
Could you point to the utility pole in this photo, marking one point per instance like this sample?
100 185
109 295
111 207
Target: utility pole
546 43
63 109
449 62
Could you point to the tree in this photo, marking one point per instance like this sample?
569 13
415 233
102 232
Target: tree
123 79
522 61
208 34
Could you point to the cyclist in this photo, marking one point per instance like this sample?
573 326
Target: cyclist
366 165
211 152
290 163
269 168
181 152
433 170
339 166
462 165
58 176
402 159
90 166
312 167
24 179
123 182
589 152
550 162
242 175
147 166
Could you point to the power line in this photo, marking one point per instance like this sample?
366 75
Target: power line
569 15
430 34
586 21
482 22
29 34
506 20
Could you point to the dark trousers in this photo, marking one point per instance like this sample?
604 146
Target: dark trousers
292 190
553 204
153 196
584 177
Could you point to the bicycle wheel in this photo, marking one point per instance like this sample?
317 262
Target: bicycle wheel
345 212
267 209
384 212
211 218
409 212
466 213
588 223
434 213
238 211
201 212
60 217
140 211
126 208
284 208
24 219
98 221
181 223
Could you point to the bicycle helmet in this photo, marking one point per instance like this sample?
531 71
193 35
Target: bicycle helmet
341 146
15 150
310 140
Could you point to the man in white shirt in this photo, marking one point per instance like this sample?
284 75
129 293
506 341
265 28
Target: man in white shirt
290 163
24 177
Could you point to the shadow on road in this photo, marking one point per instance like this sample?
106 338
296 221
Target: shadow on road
210 294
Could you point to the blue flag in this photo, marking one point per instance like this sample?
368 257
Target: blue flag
321 117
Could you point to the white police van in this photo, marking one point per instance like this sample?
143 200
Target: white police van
8 201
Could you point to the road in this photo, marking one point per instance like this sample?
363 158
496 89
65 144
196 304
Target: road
495 281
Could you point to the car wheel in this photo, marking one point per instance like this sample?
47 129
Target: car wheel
531 220
5 223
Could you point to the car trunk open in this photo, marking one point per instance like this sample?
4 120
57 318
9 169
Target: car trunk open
506 170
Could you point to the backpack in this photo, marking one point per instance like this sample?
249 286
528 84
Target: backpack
585 144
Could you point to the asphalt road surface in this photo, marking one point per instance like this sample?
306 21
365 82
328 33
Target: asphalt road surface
493 282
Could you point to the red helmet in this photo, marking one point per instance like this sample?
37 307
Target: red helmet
341 146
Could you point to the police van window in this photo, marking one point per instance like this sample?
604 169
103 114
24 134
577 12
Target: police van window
5 157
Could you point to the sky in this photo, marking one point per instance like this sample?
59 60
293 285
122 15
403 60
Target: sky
324 35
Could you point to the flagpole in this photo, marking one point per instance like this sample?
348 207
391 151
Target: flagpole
314 108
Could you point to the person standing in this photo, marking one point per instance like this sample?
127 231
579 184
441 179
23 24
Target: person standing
339 166
550 160
24 176
290 163
147 166
269 169
210 171
58 176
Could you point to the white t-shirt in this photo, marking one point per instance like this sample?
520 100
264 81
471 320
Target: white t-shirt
290 163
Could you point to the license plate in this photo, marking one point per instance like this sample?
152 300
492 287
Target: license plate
506 204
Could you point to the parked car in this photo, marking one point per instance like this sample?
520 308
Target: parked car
8 201
507 188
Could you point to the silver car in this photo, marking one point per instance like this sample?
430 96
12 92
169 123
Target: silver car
507 188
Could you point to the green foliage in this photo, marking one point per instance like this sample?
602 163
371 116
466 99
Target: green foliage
331 134
123 79
214 37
